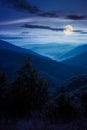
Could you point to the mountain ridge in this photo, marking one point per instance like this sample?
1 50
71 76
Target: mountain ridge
52 50
78 50
13 59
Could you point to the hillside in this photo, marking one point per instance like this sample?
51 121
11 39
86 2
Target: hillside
52 50
11 59
79 60
78 50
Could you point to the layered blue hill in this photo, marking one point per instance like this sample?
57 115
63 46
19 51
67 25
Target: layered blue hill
8 46
78 50
52 50
79 60
12 57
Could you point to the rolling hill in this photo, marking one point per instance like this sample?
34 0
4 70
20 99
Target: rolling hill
52 50
12 57
78 50
8 46
79 60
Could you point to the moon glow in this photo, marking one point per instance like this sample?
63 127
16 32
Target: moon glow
68 30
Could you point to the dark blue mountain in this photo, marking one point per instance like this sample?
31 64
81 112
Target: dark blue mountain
78 50
8 46
79 61
12 57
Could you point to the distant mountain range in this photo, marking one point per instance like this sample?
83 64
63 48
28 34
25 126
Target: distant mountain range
52 50
12 57
74 52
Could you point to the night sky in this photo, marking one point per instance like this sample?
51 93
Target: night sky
43 21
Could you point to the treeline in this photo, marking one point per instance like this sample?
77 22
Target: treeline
29 93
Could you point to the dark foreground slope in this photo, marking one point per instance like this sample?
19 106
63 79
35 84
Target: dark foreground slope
79 60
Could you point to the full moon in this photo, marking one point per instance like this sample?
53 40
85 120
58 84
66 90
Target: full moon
68 30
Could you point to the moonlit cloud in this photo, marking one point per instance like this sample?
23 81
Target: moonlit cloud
51 28
16 21
42 27
52 31
43 21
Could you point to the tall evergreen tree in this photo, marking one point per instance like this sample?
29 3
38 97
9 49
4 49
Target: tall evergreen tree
29 92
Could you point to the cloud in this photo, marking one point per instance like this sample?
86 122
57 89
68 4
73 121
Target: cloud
18 21
10 37
56 15
50 28
22 5
25 32
42 27
49 14
25 5
76 17
80 31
